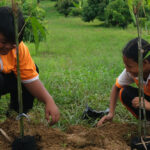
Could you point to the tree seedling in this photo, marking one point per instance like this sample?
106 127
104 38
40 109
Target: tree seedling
141 142
22 142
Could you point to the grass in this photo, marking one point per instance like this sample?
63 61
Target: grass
79 64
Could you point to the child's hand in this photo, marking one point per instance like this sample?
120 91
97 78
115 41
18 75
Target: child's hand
136 103
52 110
108 117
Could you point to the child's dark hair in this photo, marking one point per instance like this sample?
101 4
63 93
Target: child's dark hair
7 24
131 49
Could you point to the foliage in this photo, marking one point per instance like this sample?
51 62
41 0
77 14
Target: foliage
117 14
76 11
35 30
63 6
94 9
30 11
70 7
101 10
88 14
144 12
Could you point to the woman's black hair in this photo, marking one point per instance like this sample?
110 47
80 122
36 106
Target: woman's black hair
131 49
7 24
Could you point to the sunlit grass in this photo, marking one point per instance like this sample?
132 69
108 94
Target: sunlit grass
79 63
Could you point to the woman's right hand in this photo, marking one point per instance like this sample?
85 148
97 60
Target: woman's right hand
108 117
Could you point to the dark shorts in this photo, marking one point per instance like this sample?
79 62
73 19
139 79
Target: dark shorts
8 84
127 94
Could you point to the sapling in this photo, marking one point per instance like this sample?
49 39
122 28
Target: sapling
134 7
15 12
23 142
140 76
141 142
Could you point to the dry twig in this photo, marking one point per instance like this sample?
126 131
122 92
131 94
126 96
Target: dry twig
5 135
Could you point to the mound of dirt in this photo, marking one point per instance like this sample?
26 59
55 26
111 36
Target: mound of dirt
111 136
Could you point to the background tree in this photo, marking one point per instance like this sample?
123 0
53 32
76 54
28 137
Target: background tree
70 7
94 9
117 14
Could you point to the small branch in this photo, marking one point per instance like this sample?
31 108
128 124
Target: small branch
5 135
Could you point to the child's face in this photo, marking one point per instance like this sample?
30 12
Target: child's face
5 46
132 67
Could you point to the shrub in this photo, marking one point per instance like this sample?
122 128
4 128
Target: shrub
63 6
76 11
94 9
101 10
69 7
117 14
89 14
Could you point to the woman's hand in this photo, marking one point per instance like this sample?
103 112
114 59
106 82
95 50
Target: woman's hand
108 117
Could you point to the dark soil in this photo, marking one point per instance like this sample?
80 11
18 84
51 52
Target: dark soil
110 136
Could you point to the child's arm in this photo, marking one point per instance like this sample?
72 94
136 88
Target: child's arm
37 89
112 106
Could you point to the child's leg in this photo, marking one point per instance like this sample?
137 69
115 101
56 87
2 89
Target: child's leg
127 94
27 100
8 84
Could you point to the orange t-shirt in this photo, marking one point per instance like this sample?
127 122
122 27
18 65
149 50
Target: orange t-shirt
8 63
125 79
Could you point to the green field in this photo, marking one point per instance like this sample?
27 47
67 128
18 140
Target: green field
79 63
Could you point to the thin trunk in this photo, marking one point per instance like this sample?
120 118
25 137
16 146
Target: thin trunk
15 11
140 78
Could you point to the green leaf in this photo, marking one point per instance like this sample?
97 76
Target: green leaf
75 4
148 1
130 5
35 32
148 54
37 28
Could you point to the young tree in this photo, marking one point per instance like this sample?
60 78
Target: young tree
135 7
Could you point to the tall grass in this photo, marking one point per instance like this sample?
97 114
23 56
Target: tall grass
78 64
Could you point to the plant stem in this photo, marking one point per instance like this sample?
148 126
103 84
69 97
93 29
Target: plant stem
140 78
15 11
139 75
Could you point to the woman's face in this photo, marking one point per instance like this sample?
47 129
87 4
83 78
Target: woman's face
5 46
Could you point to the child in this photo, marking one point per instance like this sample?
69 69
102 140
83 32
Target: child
31 84
128 94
